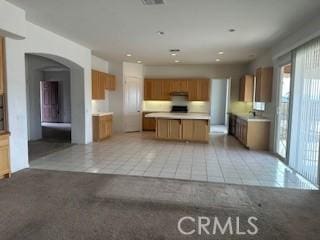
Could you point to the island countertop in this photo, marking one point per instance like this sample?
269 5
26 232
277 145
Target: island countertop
191 116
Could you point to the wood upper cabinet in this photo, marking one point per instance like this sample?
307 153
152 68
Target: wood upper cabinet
100 82
98 85
160 89
246 88
110 82
264 81
203 90
193 90
147 89
157 90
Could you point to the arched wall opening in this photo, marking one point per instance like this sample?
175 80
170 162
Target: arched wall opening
77 96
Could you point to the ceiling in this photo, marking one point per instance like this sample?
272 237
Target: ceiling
113 28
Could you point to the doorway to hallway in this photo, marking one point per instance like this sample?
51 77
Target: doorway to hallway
220 94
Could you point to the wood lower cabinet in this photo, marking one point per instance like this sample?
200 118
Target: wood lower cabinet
102 127
175 129
195 130
148 124
4 156
252 134
186 130
160 89
162 130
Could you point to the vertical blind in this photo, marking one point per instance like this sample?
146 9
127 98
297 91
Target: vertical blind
305 130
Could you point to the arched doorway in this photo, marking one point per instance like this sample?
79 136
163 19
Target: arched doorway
55 102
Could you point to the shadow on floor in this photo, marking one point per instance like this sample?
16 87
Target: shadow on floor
56 137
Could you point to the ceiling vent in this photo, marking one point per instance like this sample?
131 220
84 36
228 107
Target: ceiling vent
153 2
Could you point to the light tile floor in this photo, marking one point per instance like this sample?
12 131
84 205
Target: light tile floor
224 160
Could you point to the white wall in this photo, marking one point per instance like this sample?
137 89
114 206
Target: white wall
12 24
218 101
116 97
12 21
78 58
17 107
45 43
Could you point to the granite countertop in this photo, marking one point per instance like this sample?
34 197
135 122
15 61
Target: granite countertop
191 116
101 114
250 118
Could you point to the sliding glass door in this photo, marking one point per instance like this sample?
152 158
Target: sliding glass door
283 111
305 124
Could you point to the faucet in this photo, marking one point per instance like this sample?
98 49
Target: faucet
253 113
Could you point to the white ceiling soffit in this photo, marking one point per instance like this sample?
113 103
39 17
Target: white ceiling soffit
114 28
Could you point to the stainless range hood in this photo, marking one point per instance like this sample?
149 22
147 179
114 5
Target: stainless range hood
183 94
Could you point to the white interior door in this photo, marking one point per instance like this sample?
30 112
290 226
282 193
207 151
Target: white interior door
132 109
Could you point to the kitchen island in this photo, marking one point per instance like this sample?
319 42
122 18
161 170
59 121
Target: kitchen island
182 126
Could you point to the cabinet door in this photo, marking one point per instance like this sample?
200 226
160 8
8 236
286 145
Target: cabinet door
201 130
107 81
241 89
166 89
193 89
1 65
175 129
258 84
184 85
244 133
147 89
156 89
95 85
149 124
175 85
113 82
4 160
162 128
187 129
203 90
264 82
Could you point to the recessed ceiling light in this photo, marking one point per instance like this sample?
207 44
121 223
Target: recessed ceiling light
218 60
139 62
129 55
232 30
221 53
173 54
161 33
176 61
